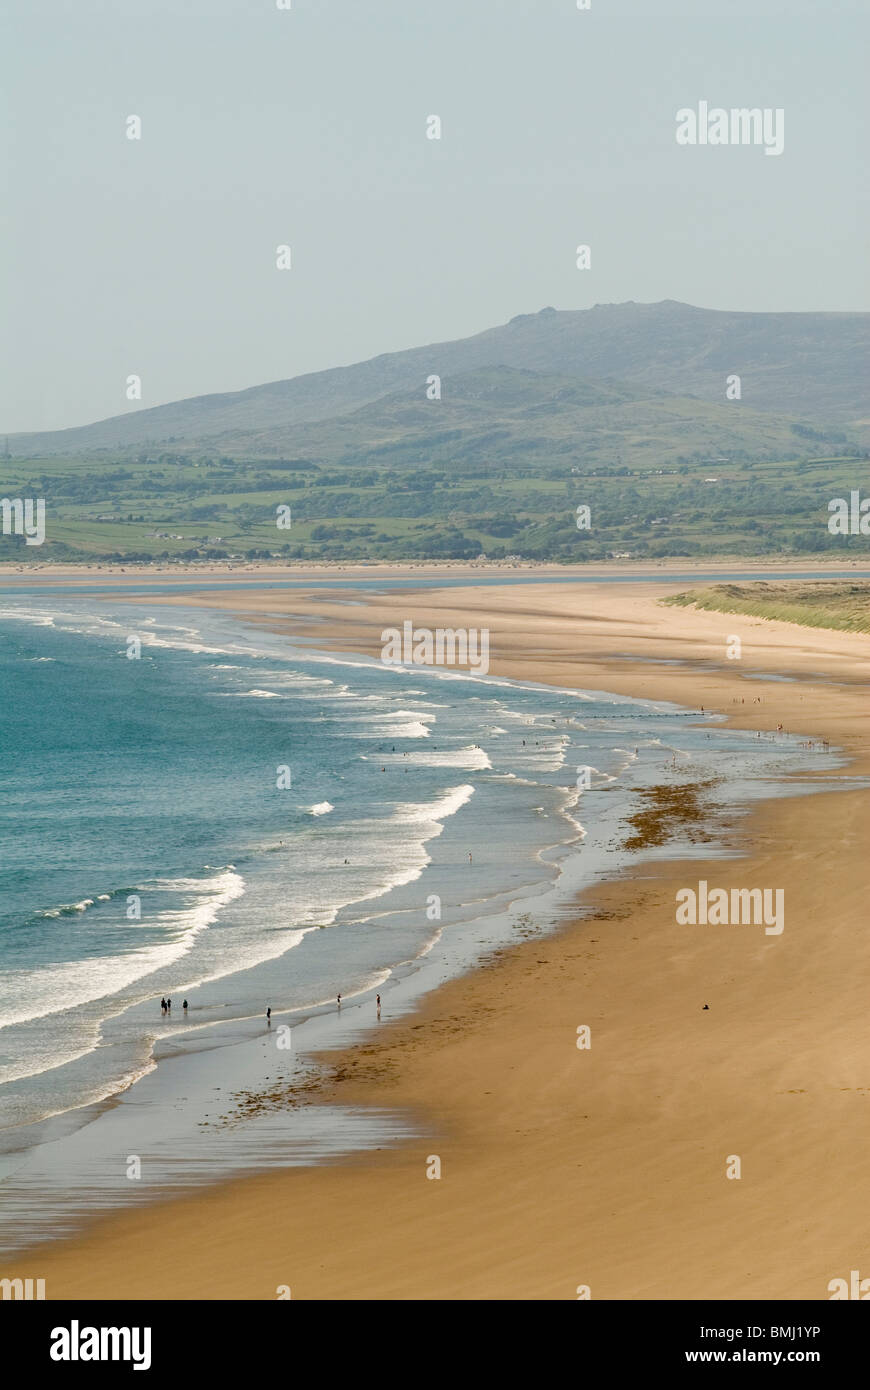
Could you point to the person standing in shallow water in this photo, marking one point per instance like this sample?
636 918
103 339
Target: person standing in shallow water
339 1001
169 1006
269 1015
163 1005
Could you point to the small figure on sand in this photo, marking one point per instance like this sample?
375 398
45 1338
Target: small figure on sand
378 1001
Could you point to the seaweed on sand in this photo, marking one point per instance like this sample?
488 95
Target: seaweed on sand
670 811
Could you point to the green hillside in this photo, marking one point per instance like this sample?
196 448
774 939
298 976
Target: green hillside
499 465
620 409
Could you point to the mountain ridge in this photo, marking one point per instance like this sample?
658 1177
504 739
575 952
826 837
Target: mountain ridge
812 365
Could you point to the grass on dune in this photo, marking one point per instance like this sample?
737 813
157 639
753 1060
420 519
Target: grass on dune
835 604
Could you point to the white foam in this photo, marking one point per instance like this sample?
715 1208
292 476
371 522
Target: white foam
40 992
249 695
409 730
471 759
418 813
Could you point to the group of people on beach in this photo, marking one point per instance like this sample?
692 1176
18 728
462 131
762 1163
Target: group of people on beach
780 729
166 1007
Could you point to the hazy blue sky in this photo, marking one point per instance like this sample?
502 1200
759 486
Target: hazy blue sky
308 127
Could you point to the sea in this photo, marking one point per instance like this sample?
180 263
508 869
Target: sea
194 808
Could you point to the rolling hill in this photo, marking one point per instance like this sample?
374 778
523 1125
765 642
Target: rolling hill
620 409
809 365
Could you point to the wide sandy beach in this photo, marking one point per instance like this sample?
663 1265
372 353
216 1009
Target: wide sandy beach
603 1167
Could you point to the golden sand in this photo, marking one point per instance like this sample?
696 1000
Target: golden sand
604 1166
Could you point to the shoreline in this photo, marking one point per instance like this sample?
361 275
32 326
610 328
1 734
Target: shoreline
485 923
51 571
426 1094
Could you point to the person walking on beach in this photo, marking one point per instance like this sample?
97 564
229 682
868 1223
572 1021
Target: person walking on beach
163 1005
169 1006
269 1016
184 1006
339 1001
